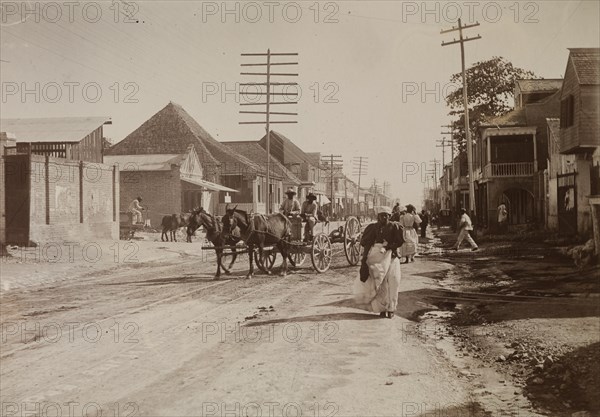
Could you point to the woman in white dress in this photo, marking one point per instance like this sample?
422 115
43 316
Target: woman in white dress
409 220
376 289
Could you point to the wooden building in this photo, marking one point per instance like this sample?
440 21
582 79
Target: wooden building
53 185
578 193
71 138
510 157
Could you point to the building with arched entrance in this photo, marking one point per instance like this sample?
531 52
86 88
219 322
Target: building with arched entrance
510 155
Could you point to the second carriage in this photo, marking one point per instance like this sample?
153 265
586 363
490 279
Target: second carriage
320 249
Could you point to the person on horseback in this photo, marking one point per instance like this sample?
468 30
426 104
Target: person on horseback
290 206
309 213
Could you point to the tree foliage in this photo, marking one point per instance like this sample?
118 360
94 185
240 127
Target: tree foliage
490 93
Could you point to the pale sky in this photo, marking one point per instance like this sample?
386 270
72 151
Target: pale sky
358 63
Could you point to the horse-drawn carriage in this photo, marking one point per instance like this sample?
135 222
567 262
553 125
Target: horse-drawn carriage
320 248
266 236
127 228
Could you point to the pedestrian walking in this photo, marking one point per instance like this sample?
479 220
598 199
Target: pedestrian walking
410 221
465 226
376 288
424 222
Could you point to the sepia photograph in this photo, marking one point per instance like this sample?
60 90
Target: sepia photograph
310 208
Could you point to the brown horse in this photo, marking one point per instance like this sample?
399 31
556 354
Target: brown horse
260 230
214 233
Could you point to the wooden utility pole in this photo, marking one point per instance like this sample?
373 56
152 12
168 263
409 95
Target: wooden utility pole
360 164
462 41
269 87
443 143
452 143
335 163
375 190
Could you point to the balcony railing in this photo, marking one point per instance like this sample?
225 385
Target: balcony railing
509 169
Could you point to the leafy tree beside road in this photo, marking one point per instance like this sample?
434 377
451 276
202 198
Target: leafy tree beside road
490 93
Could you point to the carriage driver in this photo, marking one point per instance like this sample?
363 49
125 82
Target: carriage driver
309 213
290 206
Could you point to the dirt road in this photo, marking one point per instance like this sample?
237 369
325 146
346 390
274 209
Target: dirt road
164 339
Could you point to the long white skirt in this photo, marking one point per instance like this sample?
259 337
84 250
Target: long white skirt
411 240
380 291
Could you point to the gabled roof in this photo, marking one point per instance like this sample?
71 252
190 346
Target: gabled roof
171 131
292 154
537 86
586 62
257 154
52 129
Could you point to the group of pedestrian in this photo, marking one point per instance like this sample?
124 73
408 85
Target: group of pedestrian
392 237
410 221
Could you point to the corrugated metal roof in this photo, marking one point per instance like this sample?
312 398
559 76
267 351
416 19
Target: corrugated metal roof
208 185
151 162
52 129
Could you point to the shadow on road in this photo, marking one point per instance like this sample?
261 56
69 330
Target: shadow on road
196 278
318 318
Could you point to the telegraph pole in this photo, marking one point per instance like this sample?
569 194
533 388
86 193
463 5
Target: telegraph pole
269 87
335 163
452 143
462 41
442 143
375 190
360 164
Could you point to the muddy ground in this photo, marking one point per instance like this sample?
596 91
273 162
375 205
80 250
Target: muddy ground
521 307
142 329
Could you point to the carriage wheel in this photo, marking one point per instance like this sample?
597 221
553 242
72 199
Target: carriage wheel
352 240
297 258
233 256
321 253
266 261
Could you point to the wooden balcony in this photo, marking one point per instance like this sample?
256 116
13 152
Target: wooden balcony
508 169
